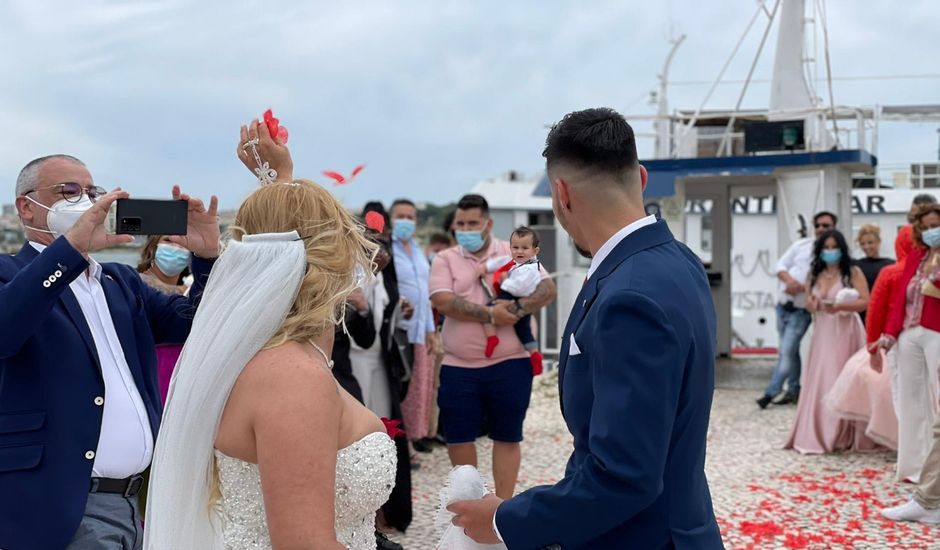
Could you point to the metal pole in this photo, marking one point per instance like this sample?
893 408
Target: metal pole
663 126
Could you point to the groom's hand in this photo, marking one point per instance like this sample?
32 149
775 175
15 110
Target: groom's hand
476 518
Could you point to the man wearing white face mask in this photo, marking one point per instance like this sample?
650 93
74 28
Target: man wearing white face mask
412 268
79 404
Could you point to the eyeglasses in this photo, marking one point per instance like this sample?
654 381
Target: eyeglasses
72 192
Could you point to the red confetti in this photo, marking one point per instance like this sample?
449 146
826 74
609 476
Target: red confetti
803 510
340 179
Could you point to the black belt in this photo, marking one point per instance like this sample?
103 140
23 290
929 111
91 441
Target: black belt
128 487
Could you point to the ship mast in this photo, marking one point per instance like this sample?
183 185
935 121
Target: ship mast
663 122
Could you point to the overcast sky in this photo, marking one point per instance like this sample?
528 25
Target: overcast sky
432 95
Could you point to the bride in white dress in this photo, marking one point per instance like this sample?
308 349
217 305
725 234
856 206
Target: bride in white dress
260 448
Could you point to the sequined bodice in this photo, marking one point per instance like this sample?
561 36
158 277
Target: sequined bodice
365 475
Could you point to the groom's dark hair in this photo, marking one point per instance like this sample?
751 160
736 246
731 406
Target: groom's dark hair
598 139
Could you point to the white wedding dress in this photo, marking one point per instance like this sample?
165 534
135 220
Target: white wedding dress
251 289
365 475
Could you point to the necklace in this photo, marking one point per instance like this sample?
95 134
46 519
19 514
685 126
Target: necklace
323 354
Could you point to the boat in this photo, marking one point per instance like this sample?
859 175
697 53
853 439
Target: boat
738 186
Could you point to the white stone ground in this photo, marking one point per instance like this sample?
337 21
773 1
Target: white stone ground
764 497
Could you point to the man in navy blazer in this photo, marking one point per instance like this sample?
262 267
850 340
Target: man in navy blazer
636 373
79 403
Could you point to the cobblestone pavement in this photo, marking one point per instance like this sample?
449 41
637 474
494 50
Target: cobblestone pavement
764 497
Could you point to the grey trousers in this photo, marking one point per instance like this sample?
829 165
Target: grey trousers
111 522
928 490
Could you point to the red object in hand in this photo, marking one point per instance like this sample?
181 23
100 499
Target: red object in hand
392 428
375 222
278 133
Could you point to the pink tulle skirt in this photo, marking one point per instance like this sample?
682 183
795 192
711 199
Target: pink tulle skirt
862 395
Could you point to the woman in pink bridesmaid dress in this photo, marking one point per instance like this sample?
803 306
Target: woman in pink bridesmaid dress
836 292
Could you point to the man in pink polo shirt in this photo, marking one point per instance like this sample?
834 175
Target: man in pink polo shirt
473 386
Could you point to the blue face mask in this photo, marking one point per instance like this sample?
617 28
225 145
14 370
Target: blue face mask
931 237
431 257
171 260
403 229
472 241
831 256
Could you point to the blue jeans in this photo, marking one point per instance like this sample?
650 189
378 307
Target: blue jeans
791 326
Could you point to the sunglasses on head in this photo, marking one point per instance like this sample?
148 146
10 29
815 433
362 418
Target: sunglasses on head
72 192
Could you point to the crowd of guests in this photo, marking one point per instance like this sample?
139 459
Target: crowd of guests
439 340
870 380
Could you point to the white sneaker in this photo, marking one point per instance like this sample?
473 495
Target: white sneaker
912 511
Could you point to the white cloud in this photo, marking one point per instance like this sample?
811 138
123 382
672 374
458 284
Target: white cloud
432 95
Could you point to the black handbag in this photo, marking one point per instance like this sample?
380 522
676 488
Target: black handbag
400 347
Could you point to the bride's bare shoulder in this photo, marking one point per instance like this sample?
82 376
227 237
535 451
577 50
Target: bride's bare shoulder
288 367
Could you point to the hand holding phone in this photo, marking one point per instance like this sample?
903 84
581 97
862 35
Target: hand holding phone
90 232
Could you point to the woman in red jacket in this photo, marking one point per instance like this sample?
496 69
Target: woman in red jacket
914 326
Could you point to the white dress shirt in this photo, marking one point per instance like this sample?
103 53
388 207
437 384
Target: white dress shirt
797 261
612 242
125 446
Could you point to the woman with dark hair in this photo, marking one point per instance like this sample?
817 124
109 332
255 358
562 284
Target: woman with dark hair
165 266
914 331
397 512
835 293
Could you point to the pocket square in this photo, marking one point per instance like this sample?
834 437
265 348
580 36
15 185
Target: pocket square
573 348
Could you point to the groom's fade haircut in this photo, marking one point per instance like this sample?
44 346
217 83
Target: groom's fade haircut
595 140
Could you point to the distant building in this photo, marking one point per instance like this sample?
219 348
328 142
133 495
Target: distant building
8 210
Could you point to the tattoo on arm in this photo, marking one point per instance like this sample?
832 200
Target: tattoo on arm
543 295
466 309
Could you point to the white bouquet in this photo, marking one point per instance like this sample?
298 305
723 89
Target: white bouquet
463 483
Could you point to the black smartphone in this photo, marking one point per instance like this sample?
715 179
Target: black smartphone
151 217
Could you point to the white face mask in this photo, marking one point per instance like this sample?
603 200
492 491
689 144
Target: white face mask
62 215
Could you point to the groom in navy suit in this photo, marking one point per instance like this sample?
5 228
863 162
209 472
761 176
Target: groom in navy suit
79 403
637 368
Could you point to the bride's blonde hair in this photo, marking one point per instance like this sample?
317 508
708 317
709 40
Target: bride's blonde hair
337 251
